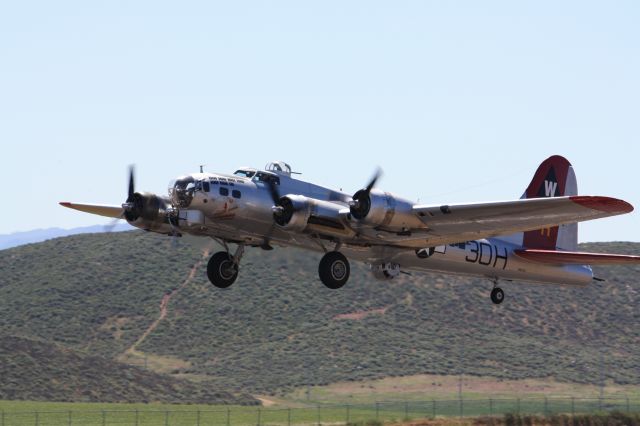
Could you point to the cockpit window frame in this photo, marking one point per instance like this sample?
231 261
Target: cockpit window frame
245 173
264 177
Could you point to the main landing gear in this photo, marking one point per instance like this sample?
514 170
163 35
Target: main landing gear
334 270
222 269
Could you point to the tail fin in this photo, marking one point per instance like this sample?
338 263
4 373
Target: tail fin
554 178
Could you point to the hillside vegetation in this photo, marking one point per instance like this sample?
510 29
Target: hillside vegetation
278 327
42 371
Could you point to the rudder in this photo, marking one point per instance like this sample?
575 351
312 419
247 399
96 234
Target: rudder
554 178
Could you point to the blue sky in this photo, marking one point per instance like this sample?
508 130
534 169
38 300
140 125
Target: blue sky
456 101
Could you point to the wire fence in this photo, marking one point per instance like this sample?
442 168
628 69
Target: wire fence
322 414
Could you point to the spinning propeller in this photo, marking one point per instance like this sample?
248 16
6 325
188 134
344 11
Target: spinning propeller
361 200
282 208
144 206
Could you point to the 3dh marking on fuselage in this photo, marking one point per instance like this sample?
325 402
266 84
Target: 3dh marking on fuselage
486 254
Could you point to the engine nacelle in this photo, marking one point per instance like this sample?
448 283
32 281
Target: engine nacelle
304 214
385 271
150 212
381 209
295 212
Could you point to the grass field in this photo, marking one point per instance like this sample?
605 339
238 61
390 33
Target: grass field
427 387
386 400
42 414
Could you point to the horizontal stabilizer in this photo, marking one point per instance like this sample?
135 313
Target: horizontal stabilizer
576 258
101 210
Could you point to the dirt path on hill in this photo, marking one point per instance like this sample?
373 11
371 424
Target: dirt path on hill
164 303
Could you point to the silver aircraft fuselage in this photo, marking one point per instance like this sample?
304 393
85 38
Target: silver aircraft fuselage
238 209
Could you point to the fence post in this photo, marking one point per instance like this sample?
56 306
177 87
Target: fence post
406 410
228 416
2 417
378 410
69 418
627 405
104 418
137 417
198 418
433 401
259 416
289 416
319 421
347 410
37 418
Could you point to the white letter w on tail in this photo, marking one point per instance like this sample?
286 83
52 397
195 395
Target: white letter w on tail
550 188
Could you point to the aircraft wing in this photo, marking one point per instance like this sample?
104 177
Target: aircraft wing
115 212
449 224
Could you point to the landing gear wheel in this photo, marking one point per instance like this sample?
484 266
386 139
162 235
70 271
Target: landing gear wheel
497 295
334 270
222 271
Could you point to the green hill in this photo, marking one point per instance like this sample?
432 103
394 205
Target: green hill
278 327
41 371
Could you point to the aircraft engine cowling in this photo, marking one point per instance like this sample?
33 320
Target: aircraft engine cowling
376 208
295 213
310 215
148 211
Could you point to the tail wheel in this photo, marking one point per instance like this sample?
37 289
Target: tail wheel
222 271
334 270
497 295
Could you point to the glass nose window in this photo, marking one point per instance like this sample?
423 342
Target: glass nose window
183 190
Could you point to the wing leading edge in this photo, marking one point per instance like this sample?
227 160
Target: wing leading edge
115 212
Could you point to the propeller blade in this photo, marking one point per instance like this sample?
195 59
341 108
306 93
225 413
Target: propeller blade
266 243
273 191
108 228
361 201
375 178
131 184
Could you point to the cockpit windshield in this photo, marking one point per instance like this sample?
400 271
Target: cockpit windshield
245 173
266 177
